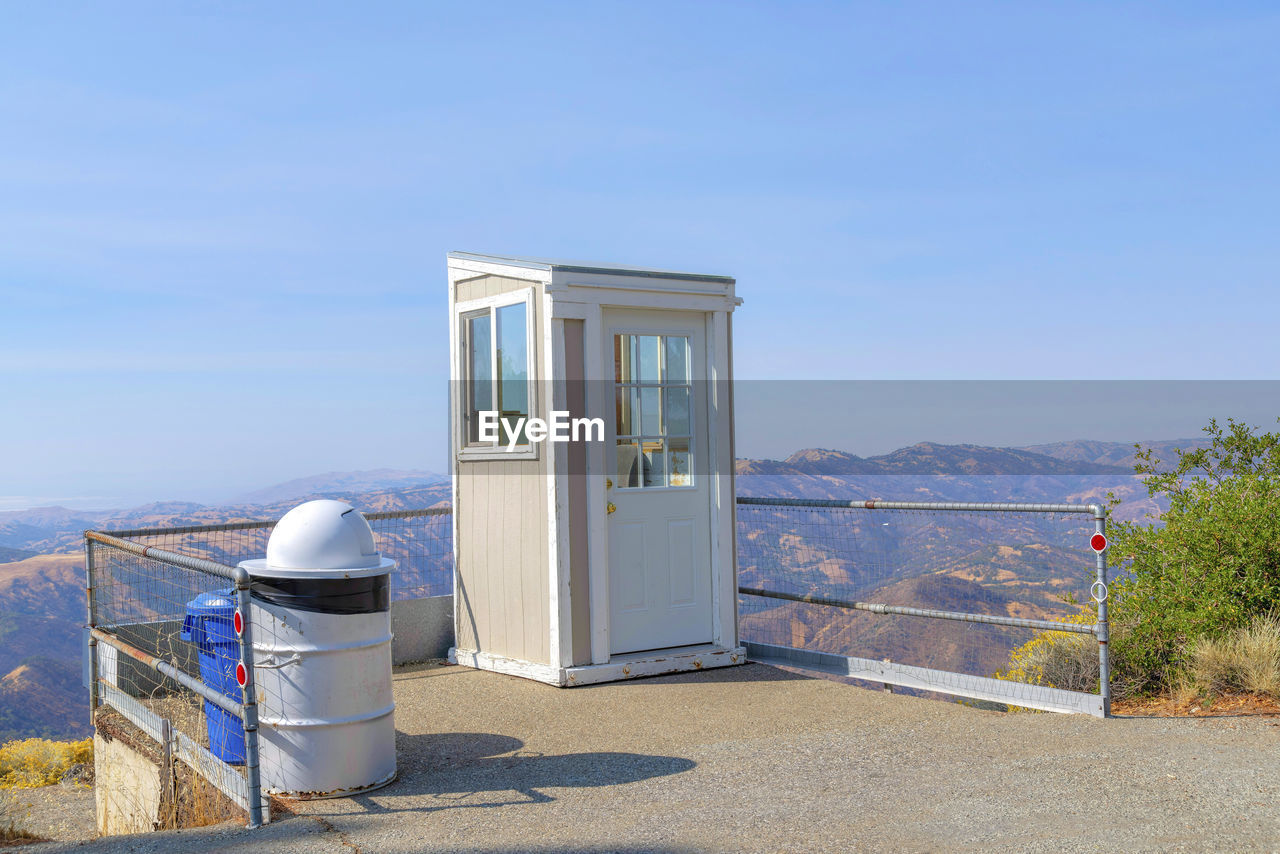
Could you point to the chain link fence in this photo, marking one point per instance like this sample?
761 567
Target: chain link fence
419 541
952 589
171 651
930 596
170 677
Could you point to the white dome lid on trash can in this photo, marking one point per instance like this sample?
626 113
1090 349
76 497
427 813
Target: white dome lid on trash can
321 539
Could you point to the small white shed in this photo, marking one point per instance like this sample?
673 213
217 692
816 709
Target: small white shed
609 555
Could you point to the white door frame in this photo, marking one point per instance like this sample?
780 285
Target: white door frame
719 432
702 446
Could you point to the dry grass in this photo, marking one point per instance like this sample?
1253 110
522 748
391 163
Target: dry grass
14 835
192 801
1069 662
188 800
1183 692
1057 659
1246 660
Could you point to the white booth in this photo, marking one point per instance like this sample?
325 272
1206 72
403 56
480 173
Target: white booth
592 454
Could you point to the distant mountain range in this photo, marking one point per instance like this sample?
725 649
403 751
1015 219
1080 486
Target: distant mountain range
1080 457
1116 453
43 530
374 480
42 574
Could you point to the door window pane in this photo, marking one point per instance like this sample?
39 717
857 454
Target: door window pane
650 411
654 463
628 464
653 401
648 348
625 410
677 359
678 454
676 414
624 358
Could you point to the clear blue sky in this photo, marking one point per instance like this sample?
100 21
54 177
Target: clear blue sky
223 225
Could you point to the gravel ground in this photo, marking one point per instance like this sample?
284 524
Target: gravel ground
61 812
756 759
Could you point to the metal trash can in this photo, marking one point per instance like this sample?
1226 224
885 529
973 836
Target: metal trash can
321 613
210 625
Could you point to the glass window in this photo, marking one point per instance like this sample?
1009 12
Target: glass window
479 385
495 344
513 370
654 414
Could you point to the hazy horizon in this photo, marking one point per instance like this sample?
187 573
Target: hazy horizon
867 418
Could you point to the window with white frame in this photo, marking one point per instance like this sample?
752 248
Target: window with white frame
653 389
496 376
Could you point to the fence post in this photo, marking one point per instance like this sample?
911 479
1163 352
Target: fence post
167 771
91 602
1102 629
249 697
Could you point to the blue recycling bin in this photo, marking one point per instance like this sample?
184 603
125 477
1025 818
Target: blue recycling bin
210 625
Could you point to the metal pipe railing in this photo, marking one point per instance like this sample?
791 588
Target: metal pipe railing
1100 629
247 709
960 616
91 606
249 698
197 564
962 506
124 533
171 670
255 524
1103 626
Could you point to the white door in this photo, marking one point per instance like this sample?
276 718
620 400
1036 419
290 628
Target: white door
657 446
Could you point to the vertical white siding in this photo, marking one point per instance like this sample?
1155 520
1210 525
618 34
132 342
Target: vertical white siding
503 603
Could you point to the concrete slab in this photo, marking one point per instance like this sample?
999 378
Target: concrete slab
757 759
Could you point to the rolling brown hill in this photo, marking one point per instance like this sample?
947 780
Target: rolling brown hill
1115 453
964 647
42 597
1013 568
43 698
50 585
42 607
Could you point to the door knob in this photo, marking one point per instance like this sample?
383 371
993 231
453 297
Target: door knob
610 507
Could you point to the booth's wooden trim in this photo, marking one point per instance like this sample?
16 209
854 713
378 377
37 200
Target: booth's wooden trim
656 663
548 673
597 466
632 666
723 508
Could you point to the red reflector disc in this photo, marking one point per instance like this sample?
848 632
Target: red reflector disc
238 622
1098 542
242 675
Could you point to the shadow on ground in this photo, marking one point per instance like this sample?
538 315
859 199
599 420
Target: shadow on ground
468 770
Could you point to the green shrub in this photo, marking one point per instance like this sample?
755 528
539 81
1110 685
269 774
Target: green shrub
1212 567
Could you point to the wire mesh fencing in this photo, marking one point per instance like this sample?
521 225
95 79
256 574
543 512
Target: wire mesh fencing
420 541
167 678
173 673
953 589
